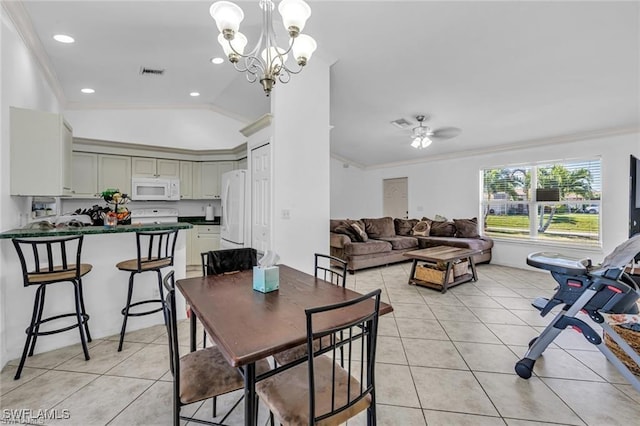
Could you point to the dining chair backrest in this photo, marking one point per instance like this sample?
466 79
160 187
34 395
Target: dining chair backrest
49 260
224 261
330 268
360 362
155 248
172 327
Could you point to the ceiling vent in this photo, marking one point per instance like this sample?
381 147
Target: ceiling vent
151 71
402 123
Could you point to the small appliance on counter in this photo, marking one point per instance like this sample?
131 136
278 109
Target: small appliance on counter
209 213
44 208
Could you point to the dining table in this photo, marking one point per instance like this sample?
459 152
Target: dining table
248 326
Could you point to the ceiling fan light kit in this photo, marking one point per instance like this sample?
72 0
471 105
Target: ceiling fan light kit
420 134
267 61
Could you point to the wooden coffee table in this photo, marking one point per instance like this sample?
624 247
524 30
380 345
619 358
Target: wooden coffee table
447 255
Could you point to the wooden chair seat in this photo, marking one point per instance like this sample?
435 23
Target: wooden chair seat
205 374
287 394
131 265
58 274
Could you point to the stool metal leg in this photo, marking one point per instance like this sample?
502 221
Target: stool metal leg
81 319
84 312
162 302
125 312
29 331
36 327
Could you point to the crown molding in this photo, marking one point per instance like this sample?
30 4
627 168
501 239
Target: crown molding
345 160
516 146
256 126
21 20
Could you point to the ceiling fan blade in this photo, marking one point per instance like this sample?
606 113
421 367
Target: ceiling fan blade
446 132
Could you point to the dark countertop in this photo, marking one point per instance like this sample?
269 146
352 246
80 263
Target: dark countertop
199 220
89 230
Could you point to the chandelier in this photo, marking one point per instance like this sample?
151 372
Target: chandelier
267 61
420 134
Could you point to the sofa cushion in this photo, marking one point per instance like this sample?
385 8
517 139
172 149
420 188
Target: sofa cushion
466 228
369 247
334 223
442 229
401 242
379 227
421 228
338 240
482 243
404 226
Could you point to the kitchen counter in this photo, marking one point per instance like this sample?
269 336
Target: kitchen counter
199 220
91 230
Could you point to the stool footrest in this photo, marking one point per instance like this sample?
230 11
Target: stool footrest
143 302
85 318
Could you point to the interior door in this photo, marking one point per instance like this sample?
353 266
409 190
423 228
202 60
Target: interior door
634 196
395 198
261 198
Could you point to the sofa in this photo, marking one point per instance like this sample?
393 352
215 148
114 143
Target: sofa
369 242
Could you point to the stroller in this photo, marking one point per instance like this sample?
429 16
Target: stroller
605 288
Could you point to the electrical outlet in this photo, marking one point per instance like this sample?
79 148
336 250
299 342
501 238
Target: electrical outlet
286 214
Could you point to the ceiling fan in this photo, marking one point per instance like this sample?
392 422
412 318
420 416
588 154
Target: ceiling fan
422 135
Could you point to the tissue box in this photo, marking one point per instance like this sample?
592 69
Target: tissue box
266 279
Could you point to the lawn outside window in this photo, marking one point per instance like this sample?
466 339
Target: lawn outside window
553 202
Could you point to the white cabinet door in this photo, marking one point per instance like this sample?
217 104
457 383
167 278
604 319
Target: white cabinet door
207 238
40 159
197 181
114 171
85 174
209 185
143 166
186 180
168 168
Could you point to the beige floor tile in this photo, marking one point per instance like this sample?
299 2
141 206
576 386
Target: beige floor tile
433 353
519 303
526 399
597 362
487 357
389 415
440 389
444 418
630 391
496 316
151 362
402 296
518 335
101 400
433 297
597 403
453 313
480 301
224 404
55 357
499 291
103 358
459 331
533 318
409 310
394 385
421 329
389 350
8 373
466 289
387 326
143 335
570 339
518 422
46 390
557 363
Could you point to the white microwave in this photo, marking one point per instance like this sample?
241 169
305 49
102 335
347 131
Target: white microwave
155 189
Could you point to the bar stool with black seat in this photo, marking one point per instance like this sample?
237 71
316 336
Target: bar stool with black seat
45 262
155 250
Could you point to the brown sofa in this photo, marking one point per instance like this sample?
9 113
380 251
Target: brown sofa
387 239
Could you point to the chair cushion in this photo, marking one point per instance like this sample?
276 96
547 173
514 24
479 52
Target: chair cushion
58 274
399 243
371 246
287 394
300 351
206 373
132 265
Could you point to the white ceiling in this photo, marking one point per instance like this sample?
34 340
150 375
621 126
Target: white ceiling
506 73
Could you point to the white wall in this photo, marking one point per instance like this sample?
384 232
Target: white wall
301 166
452 188
22 85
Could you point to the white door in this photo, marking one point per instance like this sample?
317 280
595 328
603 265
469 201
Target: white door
395 198
261 198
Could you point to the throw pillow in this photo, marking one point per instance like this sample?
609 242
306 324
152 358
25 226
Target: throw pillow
404 226
443 229
466 228
379 227
347 230
359 230
421 229
439 218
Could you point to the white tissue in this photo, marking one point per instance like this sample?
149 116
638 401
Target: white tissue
269 259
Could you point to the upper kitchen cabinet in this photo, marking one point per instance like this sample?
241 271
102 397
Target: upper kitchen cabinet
40 159
186 180
114 171
85 175
154 167
211 177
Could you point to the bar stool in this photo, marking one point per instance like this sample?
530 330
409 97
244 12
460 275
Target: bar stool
155 250
45 262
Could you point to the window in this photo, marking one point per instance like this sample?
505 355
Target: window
558 202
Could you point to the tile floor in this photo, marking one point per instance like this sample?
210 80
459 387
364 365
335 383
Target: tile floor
442 360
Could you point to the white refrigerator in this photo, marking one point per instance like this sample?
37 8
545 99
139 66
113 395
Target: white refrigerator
232 223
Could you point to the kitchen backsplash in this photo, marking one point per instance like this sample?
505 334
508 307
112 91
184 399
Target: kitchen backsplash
185 207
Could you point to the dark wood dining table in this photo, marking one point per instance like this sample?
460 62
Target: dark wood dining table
248 326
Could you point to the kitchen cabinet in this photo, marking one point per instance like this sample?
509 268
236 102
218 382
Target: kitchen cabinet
154 167
41 146
114 171
205 238
196 185
85 175
186 180
211 177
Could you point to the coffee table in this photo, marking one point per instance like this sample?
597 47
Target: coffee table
447 255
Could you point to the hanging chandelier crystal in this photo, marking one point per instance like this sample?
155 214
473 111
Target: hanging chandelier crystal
420 134
267 61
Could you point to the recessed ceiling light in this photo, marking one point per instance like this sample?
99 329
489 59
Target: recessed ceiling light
194 94
217 60
63 38
87 90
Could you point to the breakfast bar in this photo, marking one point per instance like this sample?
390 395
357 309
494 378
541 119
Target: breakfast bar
105 287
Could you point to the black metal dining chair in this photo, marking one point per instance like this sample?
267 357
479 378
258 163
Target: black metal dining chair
155 250
45 262
320 390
